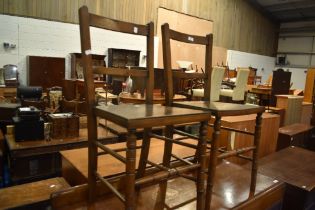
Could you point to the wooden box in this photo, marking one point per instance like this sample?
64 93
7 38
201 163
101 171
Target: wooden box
64 125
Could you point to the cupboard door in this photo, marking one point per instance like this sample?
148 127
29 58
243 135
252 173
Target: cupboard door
45 71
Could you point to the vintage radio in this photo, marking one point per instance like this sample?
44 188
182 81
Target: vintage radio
64 125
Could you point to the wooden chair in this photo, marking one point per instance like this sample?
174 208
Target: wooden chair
133 117
217 109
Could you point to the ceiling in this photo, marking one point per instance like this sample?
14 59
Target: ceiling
293 15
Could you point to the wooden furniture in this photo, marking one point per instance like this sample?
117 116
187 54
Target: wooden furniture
77 64
309 86
306 115
294 135
34 160
123 57
136 116
234 140
217 109
35 195
296 167
45 71
1 156
231 189
293 108
280 84
136 98
7 94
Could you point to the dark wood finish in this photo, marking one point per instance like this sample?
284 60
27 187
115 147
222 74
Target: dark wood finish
231 192
296 167
217 109
294 135
123 57
77 63
133 116
46 71
33 160
34 195
280 84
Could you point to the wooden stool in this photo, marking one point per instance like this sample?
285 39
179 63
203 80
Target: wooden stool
133 117
217 109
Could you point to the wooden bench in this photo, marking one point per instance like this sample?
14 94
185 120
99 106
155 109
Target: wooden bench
33 195
293 135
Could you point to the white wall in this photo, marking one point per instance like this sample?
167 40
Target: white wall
56 39
264 64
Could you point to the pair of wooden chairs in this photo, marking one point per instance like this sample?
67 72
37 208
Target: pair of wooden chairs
149 115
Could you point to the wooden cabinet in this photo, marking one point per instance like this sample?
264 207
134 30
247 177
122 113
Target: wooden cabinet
235 140
77 65
45 71
123 57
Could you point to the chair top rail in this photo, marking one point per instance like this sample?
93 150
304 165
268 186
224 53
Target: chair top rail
119 26
192 39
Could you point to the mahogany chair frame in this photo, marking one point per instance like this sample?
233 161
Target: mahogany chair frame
132 117
217 109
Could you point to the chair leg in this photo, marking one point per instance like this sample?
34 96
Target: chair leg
201 176
213 161
255 152
130 194
92 157
166 162
144 153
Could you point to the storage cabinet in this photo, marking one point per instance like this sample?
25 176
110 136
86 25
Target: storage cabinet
77 64
123 57
45 71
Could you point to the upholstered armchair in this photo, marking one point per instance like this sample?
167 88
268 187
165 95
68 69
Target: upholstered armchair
216 80
237 94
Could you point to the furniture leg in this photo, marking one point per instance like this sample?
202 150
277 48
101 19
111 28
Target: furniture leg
130 194
201 176
92 153
255 152
213 160
166 162
144 153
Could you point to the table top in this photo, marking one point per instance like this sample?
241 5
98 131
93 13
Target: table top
35 192
137 98
231 191
143 115
221 108
293 165
295 128
26 148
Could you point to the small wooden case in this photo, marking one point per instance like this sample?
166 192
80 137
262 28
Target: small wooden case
64 125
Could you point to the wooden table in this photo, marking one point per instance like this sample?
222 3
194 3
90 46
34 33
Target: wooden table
296 167
231 190
297 134
34 195
136 98
33 160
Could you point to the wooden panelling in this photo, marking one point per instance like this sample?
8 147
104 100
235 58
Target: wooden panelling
237 25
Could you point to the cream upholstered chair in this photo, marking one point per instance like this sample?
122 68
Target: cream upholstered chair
238 92
216 80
